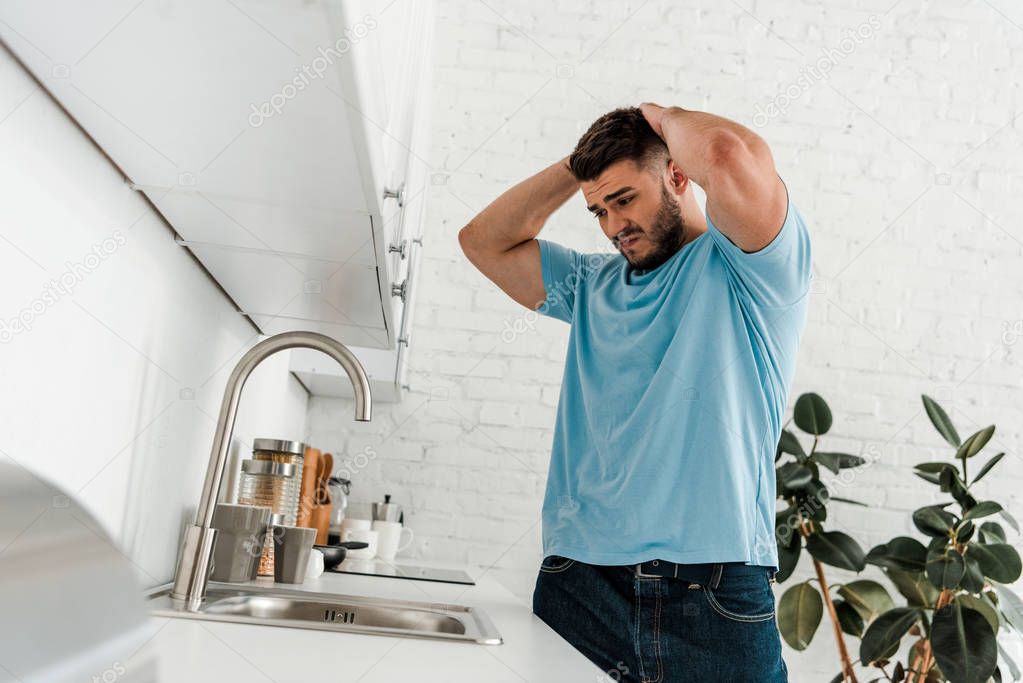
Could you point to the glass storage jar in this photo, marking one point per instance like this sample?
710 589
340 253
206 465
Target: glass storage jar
288 453
266 483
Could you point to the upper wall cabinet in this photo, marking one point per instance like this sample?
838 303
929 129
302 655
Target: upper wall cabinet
283 140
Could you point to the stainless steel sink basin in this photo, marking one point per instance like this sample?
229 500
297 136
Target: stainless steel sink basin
328 612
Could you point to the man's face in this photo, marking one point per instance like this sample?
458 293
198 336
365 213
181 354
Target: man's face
637 213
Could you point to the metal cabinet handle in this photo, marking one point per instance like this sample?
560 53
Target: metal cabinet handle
398 194
400 249
399 289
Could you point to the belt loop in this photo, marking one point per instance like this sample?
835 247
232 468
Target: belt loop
715 575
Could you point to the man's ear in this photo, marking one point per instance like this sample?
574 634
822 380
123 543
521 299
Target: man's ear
678 181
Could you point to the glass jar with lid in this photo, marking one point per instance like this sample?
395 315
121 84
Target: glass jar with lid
289 453
266 483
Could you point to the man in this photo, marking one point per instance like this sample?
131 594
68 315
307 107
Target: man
658 519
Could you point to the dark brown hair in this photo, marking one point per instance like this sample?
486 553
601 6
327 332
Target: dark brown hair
620 134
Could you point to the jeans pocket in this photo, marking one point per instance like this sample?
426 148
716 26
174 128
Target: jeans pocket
553 564
744 598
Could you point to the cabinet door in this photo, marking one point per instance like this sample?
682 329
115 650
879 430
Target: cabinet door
351 335
384 74
200 94
341 236
287 292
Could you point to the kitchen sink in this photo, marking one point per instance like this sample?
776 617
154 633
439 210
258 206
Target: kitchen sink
275 606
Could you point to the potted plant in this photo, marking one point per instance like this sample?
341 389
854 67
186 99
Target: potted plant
801 525
954 587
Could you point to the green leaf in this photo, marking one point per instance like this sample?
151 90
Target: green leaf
817 497
945 569
940 421
811 414
983 509
935 467
973 577
934 521
964 647
928 476
788 554
837 549
849 619
938 545
792 477
975 443
788 443
1011 606
902 552
982 606
1007 516
998 561
882 637
847 501
987 467
951 483
799 614
965 531
868 598
837 461
992 532
914 586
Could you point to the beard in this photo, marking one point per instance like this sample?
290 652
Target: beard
666 235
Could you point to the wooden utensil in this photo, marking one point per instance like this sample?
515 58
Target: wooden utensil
307 493
322 505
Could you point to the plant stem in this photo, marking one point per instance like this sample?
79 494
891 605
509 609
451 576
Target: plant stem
847 670
943 599
913 667
843 653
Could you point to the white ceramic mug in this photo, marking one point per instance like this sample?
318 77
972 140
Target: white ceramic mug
354 523
389 540
362 535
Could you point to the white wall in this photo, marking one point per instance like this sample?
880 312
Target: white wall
904 157
111 390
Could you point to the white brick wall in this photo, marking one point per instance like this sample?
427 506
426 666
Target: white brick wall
919 275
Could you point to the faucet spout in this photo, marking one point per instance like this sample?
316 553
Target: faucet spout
192 574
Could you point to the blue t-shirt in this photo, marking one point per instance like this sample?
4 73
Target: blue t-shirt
675 386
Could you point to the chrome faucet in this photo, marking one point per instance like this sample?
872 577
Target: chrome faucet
192 575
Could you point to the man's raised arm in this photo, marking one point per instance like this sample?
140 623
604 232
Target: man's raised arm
501 240
746 199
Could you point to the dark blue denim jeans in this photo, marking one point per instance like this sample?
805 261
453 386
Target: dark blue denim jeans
665 630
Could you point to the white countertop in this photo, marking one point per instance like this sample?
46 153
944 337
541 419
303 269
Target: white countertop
216 652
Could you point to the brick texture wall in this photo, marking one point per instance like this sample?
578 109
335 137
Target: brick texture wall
896 126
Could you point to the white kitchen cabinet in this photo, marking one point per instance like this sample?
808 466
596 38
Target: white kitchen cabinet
283 140
341 236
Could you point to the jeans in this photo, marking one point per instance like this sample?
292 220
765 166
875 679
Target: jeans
664 630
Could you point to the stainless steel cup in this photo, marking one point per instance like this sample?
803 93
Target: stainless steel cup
292 547
240 533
